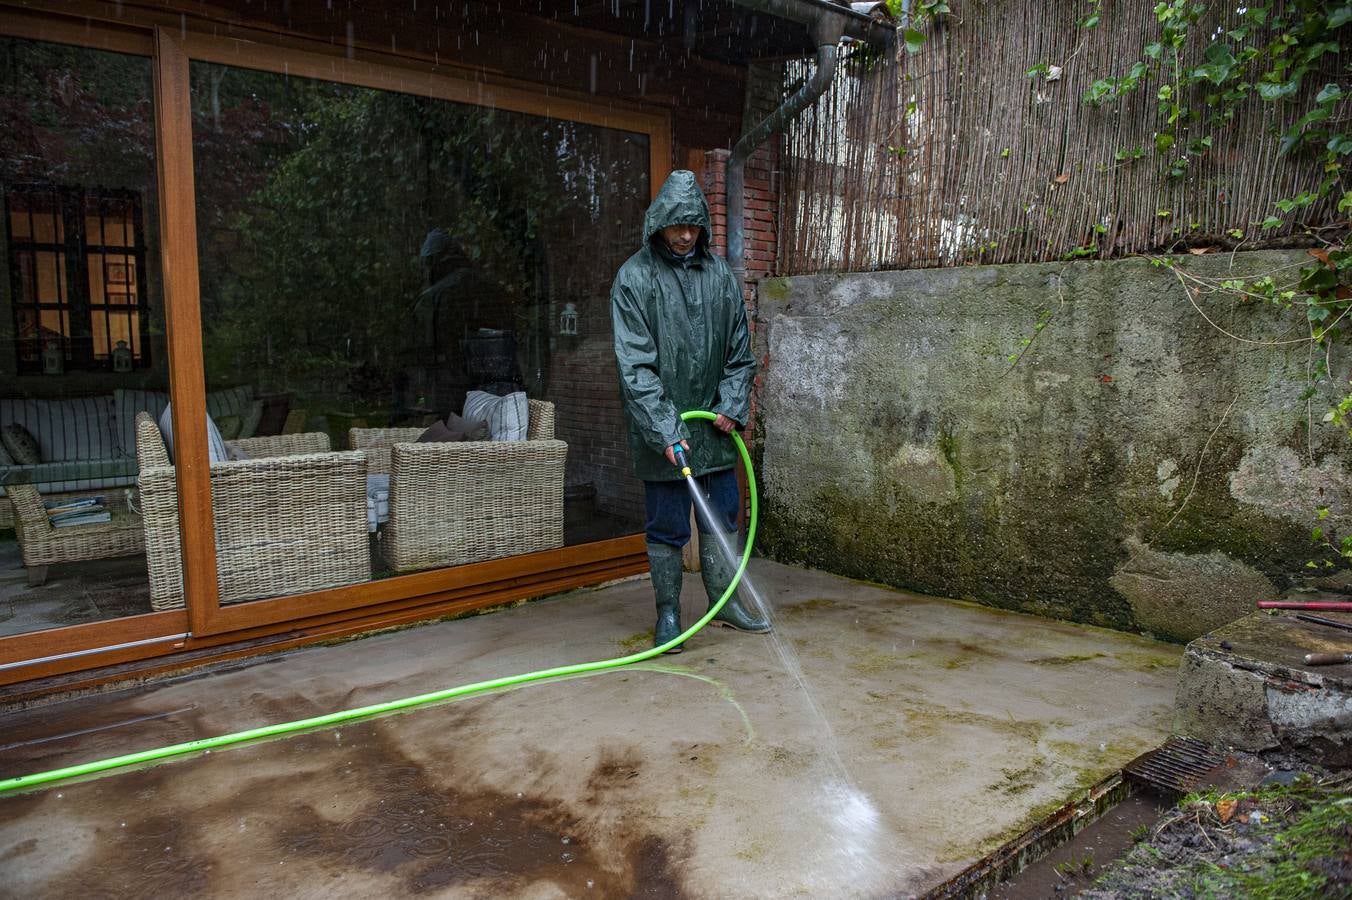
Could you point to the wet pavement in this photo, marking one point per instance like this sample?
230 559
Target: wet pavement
698 775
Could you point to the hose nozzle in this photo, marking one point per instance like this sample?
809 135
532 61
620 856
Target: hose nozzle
679 453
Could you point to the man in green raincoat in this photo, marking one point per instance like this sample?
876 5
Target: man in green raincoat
681 342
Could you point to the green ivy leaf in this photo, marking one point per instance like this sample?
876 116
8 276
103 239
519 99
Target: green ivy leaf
1276 91
1220 62
1329 94
915 40
1318 280
1098 91
1340 17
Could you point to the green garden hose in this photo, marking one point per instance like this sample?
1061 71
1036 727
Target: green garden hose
37 779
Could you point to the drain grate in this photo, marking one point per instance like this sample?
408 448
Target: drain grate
1180 765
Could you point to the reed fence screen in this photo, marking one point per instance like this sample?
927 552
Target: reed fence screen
956 155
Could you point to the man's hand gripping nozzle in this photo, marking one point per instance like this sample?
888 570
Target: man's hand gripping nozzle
679 453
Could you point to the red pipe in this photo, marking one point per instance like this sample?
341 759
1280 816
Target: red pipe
1331 605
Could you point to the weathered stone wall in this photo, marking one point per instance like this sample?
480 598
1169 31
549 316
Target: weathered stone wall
1135 468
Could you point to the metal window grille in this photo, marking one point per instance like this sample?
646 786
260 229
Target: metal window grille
77 274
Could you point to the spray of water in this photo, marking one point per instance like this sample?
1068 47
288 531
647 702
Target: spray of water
855 821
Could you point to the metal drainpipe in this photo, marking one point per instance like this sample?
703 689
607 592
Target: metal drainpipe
826 34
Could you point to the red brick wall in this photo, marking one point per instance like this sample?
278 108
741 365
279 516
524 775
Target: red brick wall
761 209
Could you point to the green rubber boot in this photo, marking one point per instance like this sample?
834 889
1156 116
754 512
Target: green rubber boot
664 561
717 571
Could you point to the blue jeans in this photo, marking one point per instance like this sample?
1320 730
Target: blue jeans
668 506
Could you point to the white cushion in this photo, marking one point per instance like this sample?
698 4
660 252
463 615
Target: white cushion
377 500
66 430
126 404
216 450
506 416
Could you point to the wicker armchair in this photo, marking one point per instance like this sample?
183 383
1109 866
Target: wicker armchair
454 503
290 519
42 544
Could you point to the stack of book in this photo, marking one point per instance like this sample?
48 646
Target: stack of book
77 511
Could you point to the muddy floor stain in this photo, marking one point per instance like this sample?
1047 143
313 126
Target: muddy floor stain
432 837
409 828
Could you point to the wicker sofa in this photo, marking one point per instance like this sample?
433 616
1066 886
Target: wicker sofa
89 443
463 502
290 519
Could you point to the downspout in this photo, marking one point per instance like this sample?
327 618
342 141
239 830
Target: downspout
826 33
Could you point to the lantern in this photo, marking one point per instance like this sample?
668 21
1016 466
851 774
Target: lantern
568 319
53 358
122 358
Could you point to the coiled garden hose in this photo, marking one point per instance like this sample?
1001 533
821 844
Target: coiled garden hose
24 782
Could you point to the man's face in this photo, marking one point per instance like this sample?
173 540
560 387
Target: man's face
681 238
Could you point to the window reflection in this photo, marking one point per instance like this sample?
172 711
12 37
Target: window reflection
374 264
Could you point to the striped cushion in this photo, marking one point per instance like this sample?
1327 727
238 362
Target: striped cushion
74 429
229 402
126 404
506 416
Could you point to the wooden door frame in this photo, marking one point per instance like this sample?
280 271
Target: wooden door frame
171 49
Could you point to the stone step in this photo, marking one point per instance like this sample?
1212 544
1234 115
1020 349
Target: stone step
1246 685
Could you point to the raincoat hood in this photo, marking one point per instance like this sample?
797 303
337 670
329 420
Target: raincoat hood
679 202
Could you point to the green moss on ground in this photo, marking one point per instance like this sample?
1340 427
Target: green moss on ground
636 642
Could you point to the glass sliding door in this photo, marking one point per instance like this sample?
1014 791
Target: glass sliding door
81 332
406 329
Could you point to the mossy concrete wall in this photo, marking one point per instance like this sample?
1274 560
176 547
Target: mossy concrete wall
1136 467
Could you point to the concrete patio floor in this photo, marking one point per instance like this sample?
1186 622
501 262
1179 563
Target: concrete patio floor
698 775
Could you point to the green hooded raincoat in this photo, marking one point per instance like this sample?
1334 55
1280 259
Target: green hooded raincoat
681 341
